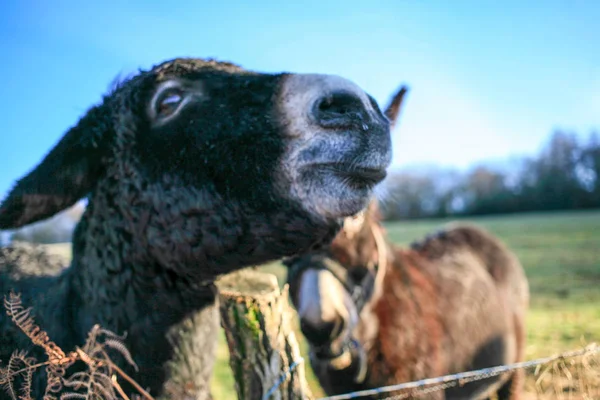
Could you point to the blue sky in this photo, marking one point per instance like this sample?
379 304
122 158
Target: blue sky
488 79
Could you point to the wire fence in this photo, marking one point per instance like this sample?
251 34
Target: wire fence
440 383
429 385
282 378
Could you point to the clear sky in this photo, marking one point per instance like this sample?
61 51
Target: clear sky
488 79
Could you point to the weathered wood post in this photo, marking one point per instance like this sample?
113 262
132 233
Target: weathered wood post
263 349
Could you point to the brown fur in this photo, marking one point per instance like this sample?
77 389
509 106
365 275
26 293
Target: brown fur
441 302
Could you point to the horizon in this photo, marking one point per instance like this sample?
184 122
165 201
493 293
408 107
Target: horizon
485 84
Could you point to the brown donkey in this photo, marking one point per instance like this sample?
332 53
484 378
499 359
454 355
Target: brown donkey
376 314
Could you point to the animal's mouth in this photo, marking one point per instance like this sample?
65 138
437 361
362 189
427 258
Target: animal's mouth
350 353
356 175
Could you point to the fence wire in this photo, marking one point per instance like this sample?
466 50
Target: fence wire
282 378
424 386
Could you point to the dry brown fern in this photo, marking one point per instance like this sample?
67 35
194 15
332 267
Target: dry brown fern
18 365
57 362
21 317
98 381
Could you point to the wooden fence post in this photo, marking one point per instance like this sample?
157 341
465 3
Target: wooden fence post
263 349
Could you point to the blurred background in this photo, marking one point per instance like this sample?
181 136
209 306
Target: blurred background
502 117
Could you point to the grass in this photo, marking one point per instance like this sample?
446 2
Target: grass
561 256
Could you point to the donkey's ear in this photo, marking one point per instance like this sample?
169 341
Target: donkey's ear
393 109
67 173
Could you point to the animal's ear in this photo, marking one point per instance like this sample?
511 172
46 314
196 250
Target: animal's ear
67 173
393 109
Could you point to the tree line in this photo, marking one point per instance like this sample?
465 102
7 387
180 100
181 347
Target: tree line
564 175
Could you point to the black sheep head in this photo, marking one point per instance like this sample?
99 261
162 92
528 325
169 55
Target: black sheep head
192 135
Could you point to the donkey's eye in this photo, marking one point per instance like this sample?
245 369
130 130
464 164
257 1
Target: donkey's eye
168 102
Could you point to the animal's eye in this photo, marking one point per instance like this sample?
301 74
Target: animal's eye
168 102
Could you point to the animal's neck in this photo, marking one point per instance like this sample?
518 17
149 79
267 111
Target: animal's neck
404 308
143 268
367 329
135 259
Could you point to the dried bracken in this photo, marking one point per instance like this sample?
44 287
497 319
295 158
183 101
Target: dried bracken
21 317
95 379
18 365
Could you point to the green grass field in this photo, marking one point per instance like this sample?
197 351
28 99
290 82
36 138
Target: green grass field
561 256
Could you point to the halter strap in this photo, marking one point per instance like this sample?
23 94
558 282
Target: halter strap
382 255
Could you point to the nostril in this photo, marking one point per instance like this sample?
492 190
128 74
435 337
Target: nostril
321 334
339 103
339 109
